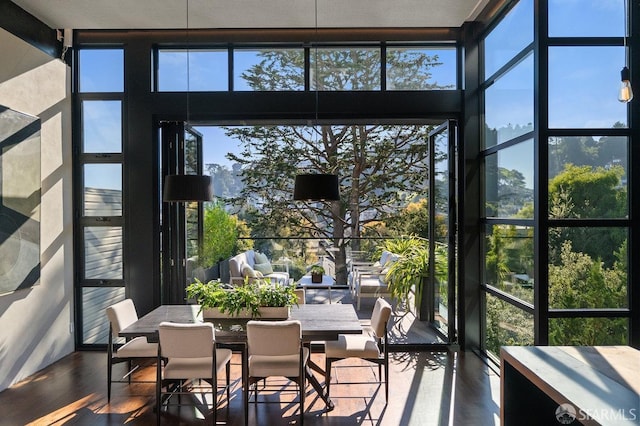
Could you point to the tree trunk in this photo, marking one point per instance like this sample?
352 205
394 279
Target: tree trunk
338 242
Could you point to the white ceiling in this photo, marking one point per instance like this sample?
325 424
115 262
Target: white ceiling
168 14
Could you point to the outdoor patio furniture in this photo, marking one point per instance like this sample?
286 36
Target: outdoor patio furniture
368 279
370 346
251 264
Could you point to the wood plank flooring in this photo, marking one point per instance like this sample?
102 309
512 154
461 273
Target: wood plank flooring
425 389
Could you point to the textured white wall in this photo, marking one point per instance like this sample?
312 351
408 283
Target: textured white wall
35 323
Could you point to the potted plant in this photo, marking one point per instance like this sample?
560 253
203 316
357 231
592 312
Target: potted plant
317 272
260 298
410 272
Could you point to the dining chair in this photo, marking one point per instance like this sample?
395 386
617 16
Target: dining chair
301 296
274 348
120 316
371 345
191 353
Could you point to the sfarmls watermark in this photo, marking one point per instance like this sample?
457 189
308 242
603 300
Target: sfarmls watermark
567 414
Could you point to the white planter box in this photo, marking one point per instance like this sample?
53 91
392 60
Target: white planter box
265 313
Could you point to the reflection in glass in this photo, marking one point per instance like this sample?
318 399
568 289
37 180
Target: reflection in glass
356 68
414 68
509 260
509 37
102 189
506 325
101 70
103 253
588 177
588 331
588 268
586 18
102 126
509 182
95 327
583 84
207 70
268 69
509 105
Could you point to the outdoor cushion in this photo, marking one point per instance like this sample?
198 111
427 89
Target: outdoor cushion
264 267
260 258
248 271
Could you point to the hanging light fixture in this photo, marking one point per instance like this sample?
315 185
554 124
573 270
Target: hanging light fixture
185 188
625 94
316 186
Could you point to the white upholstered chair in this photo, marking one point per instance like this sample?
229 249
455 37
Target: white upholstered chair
370 346
121 315
275 349
191 353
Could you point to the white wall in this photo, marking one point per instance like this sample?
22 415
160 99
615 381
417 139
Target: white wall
35 323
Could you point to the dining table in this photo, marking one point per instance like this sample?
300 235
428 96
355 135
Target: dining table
319 322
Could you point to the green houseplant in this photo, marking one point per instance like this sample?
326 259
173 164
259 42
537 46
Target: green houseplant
255 299
410 271
317 272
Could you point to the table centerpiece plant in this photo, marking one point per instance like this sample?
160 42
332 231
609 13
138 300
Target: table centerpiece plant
316 272
259 298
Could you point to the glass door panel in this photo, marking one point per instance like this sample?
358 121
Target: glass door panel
441 288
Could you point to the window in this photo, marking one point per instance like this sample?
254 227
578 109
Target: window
421 68
583 84
99 191
268 69
509 176
345 68
101 70
207 70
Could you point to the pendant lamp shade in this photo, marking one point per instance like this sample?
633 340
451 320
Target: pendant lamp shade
316 187
187 188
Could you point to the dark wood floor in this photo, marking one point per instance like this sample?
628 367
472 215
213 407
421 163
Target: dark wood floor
425 389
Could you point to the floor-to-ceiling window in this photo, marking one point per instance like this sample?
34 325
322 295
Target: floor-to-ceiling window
555 158
99 225
586 213
508 159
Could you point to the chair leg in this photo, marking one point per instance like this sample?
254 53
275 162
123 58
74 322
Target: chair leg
158 401
302 395
327 374
386 381
109 373
228 381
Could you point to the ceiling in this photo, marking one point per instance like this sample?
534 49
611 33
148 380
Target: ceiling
169 14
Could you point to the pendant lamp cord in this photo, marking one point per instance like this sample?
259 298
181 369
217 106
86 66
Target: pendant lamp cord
188 67
624 39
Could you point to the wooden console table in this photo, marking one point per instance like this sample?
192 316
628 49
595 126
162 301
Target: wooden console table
600 384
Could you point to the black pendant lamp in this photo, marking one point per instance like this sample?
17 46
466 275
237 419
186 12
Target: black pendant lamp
187 188
316 187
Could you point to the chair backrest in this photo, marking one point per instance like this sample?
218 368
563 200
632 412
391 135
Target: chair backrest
274 337
380 316
189 340
121 315
300 296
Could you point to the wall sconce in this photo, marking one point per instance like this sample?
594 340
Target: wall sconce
318 187
187 188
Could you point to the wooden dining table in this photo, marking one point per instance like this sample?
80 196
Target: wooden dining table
319 322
